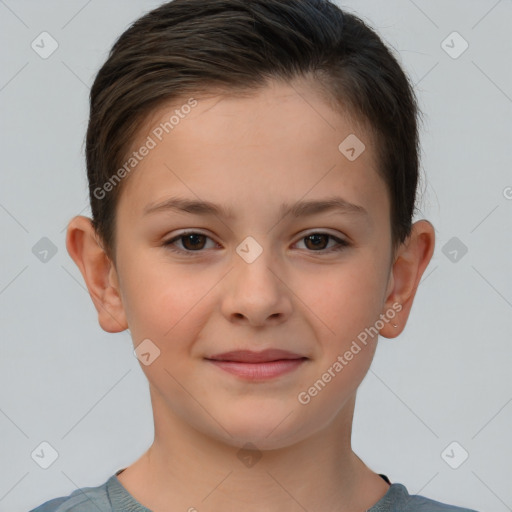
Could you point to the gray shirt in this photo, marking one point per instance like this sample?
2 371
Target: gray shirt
113 497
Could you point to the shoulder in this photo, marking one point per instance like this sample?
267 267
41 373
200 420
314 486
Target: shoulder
80 500
398 499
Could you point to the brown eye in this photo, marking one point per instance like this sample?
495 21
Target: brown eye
193 241
190 242
317 241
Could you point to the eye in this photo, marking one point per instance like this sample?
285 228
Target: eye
191 241
317 242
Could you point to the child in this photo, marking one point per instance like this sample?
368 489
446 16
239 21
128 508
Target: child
260 128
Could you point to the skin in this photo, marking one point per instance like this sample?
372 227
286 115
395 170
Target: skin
251 154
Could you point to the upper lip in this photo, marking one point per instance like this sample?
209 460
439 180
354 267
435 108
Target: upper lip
249 356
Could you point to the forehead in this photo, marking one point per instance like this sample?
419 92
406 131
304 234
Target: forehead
283 141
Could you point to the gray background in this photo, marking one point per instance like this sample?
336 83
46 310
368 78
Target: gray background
446 378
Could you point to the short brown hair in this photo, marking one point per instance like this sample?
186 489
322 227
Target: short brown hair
186 47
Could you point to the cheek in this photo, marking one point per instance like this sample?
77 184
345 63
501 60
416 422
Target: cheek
163 301
346 297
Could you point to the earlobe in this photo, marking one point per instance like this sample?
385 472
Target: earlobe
411 260
86 251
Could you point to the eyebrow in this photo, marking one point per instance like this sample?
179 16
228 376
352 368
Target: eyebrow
299 209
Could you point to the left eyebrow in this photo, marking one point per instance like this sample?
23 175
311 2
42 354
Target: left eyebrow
299 209
304 208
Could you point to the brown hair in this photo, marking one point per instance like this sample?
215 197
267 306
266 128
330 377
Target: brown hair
186 47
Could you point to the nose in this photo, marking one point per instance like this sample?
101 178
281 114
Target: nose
257 292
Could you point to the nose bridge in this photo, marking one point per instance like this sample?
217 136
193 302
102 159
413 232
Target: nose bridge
255 263
256 290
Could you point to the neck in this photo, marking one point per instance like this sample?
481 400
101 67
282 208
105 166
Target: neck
191 471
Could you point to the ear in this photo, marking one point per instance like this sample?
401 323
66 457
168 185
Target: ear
99 273
411 260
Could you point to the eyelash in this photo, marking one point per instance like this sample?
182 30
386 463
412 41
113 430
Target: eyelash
341 244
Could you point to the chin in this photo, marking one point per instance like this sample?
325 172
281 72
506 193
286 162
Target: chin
267 428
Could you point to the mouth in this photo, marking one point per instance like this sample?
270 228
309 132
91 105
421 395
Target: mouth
249 365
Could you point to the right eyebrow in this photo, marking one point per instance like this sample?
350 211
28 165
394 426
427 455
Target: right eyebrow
189 206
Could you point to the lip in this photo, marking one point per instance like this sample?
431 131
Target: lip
267 364
249 356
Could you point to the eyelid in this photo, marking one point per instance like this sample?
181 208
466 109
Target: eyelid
340 239
323 231
169 242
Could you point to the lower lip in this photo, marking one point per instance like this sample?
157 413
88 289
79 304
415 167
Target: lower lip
259 371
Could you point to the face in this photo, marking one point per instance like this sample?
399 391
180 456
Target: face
270 269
